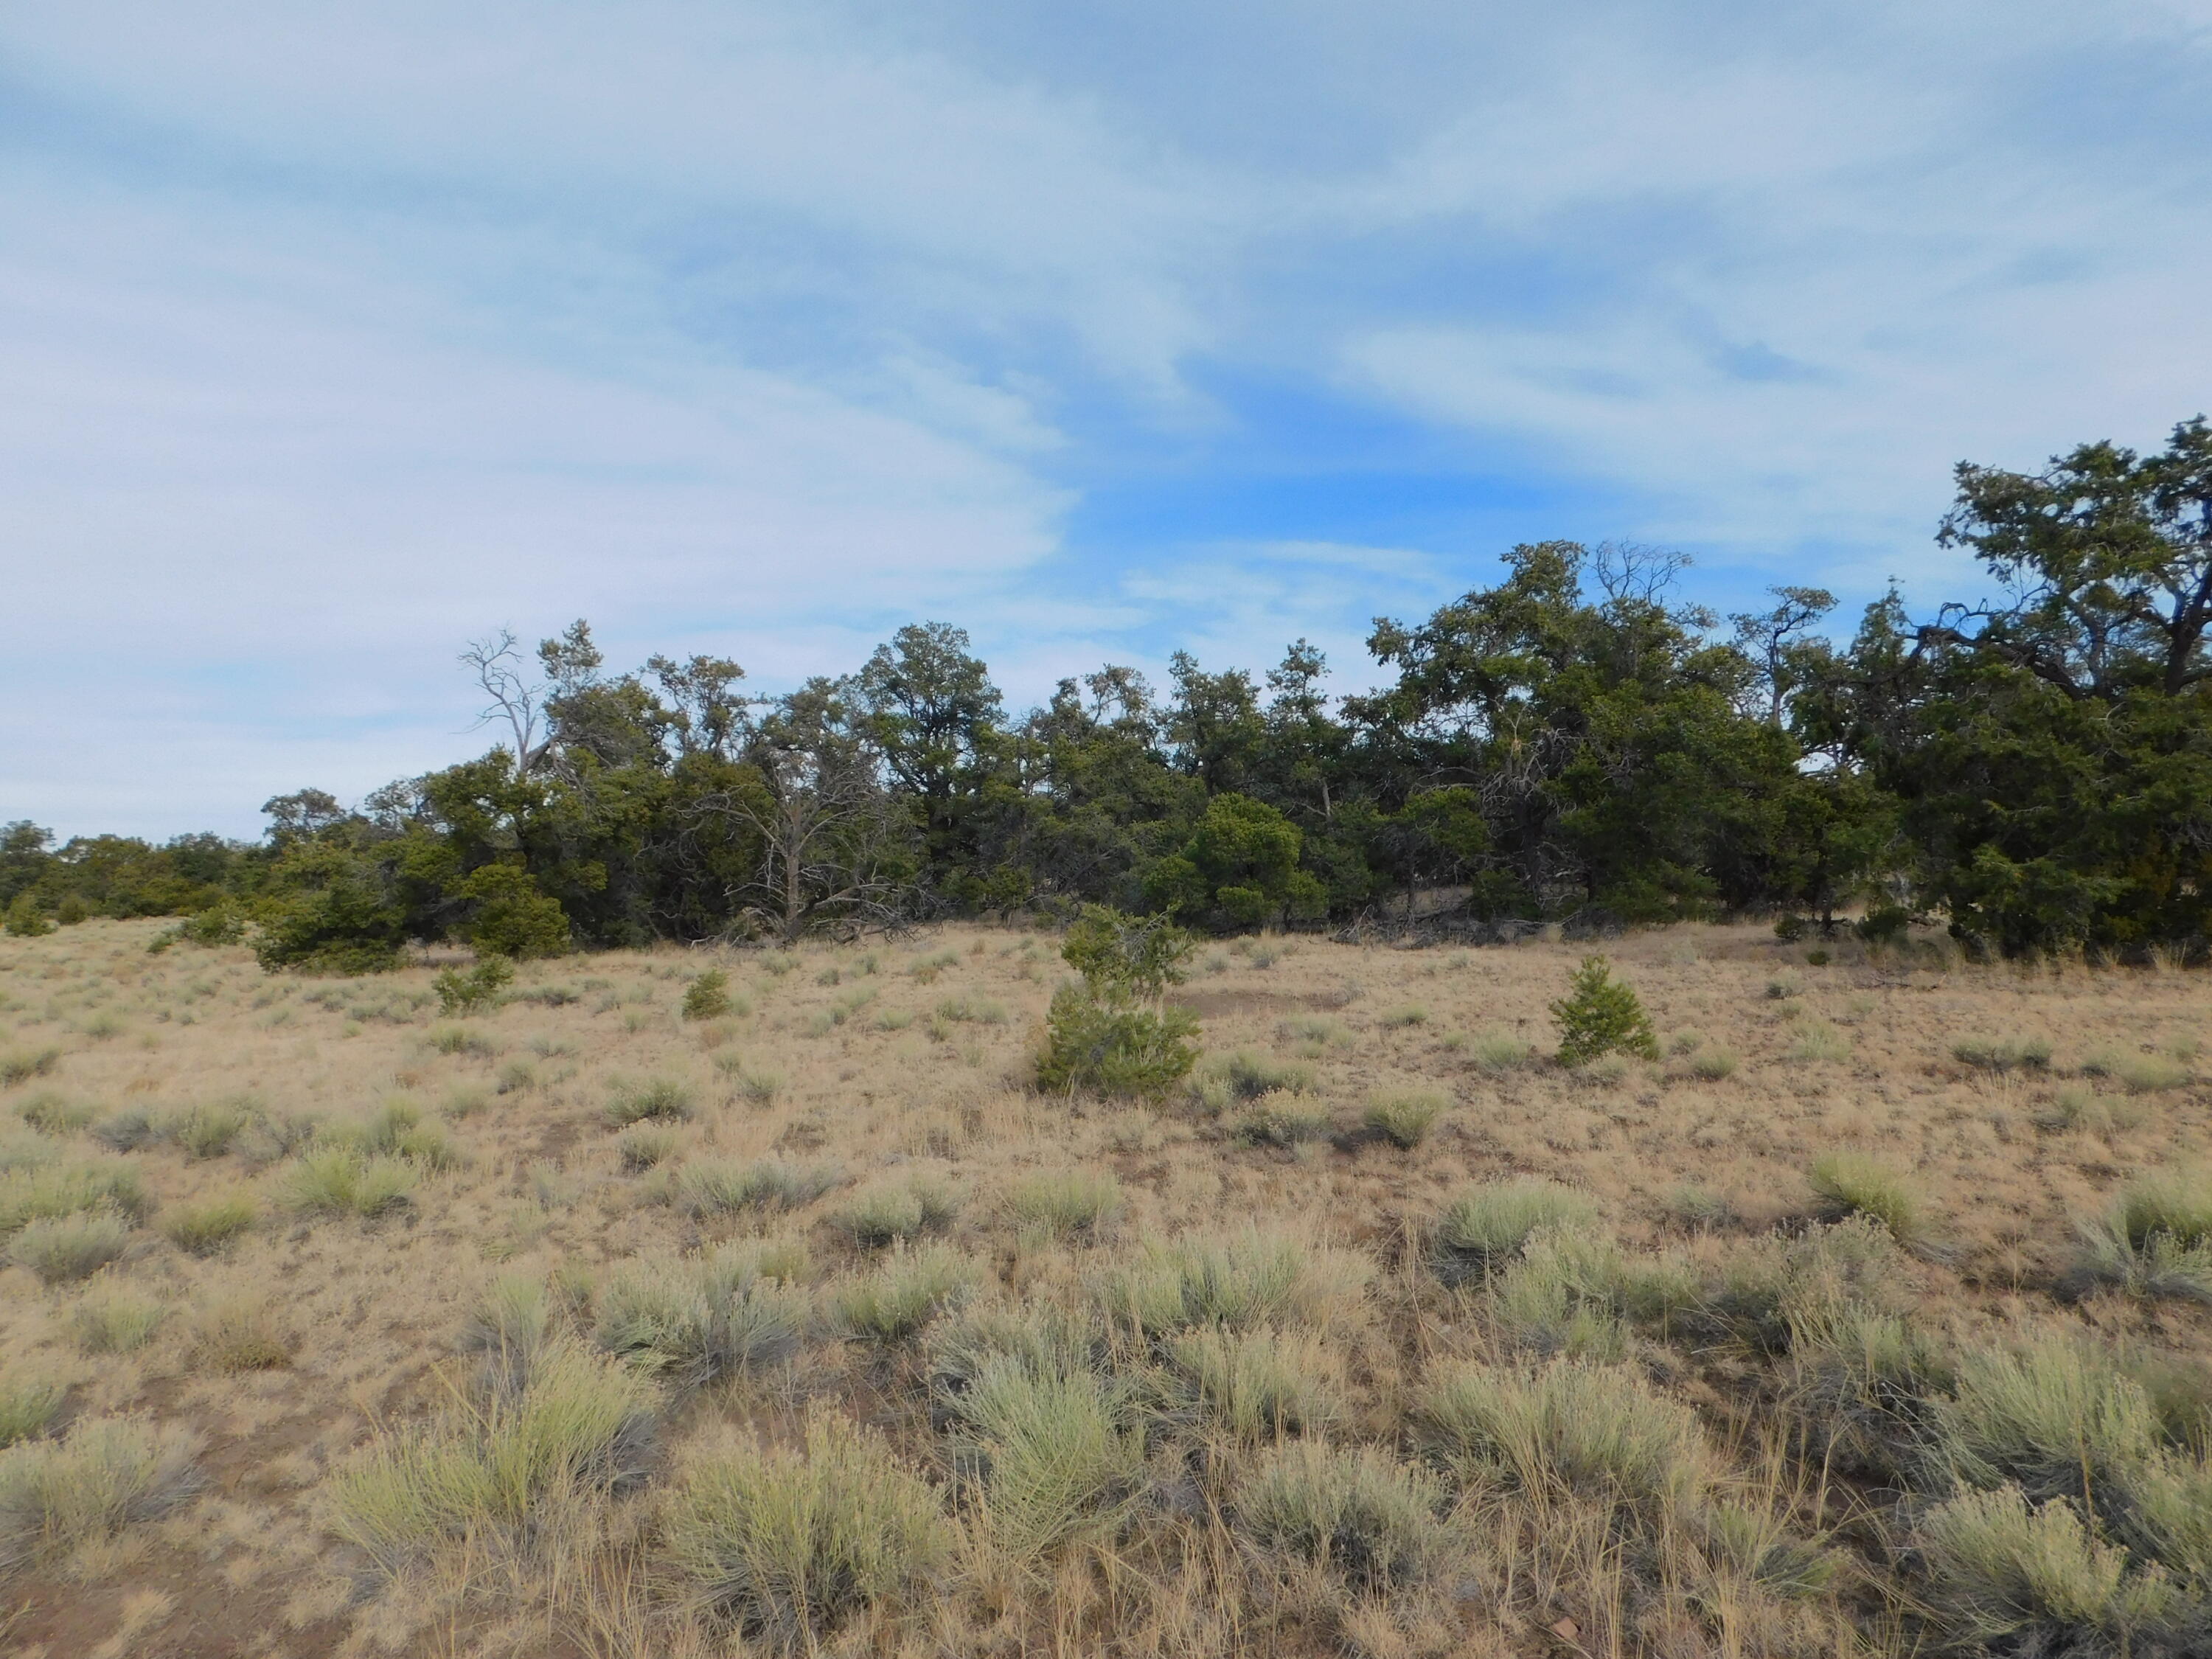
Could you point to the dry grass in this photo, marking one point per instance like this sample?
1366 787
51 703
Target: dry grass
1533 1352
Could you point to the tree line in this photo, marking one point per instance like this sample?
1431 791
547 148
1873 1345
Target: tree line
1577 743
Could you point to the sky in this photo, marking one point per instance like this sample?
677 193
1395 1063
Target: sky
335 335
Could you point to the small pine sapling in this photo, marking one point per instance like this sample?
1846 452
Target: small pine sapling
1600 1015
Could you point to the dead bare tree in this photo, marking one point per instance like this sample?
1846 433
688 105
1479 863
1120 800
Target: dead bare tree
497 663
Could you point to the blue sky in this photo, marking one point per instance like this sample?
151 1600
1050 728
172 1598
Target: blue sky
334 334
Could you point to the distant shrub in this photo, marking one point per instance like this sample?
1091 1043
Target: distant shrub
786 1545
1405 1117
707 996
109 1474
1600 1016
479 988
1852 1183
52 1114
24 919
22 1065
1079 1204
1482 1227
61 1249
2002 1054
512 920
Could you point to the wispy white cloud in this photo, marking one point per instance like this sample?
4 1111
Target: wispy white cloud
335 334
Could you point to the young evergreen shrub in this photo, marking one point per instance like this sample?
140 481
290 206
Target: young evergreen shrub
787 1546
1113 1033
1600 1015
479 988
708 997
24 919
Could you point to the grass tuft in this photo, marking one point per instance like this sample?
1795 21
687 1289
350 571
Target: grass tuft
2003 1053
787 1546
210 1228
2004 1576
1066 1204
656 1098
114 1321
342 1180
28 1406
1055 1459
62 1250
893 1304
240 1332
1240 1280
1482 1227
109 1474
707 1188
1851 1183
894 1214
695 1322
1405 1117
1356 1513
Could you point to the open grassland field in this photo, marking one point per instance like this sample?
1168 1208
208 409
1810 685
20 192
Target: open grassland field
1867 1318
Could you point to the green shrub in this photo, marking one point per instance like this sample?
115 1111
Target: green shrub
1593 1433
108 1473
45 1192
891 1214
1066 1204
1114 1050
695 1322
28 1406
460 993
2054 1418
582 1425
51 1115
24 919
1055 1460
1240 1279
707 996
1601 1016
1482 1227
1355 1513
1113 1033
1405 1117
894 1302
1852 1183
61 1249
2004 1576
210 1228
659 1097
512 918
22 1065
114 1321
787 1546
